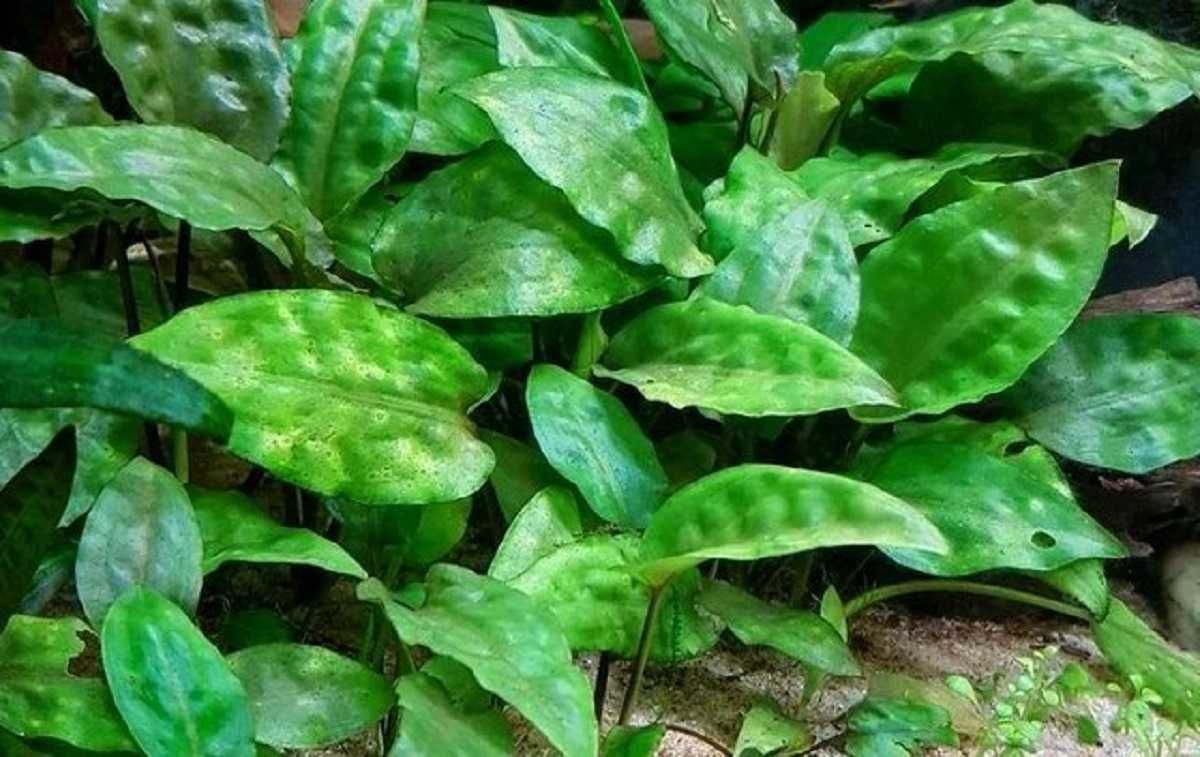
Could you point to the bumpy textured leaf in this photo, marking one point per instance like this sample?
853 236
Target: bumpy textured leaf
548 521
730 42
32 100
141 532
31 504
709 354
514 648
875 191
526 39
766 730
993 514
434 725
175 692
40 698
1134 649
354 100
753 194
234 528
569 127
458 43
1118 391
890 727
335 393
595 443
486 237
630 741
1013 267
601 605
304 697
521 472
214 66
753 511
802 635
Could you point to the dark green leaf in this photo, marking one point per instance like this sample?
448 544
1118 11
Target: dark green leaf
630 741
27 215
520 472
526 39
767 731
832 29
249 628
498 344
686 456
414 536
433 725
804 116
353 230
548 521
891 727
32 100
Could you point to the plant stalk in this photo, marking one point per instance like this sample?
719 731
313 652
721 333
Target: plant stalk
868 598
600 690
133 327
183 254
643 654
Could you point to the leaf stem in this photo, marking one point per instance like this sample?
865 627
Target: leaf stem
643 653
183 254
868 598
600 690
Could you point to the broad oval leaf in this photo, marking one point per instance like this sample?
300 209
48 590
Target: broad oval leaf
992 513
527 39
727 358
568 126
32 100
41 698
354 98
172 687
304 697
802 635
486 237
753 511
434 725
1118 391
591 588
548 521
767 730
1014 267
141 532
234 528
215 66
335 393
514 648
595 443
753 194
878 726
458 43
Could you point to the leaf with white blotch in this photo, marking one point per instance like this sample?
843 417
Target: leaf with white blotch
434 725
32 100
567 126
515 649
216 67
527 39
375 414
548 521
709 354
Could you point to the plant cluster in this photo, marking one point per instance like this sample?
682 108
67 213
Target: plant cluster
642 323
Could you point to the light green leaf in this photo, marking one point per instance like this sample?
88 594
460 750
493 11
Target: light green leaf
433 725
753 511
1118 391
890 727
527 39
175 692
41 698
754 194
803 116
591 587
1085 582
579 123
631 741
799 634
486 237
216 67
704 353
234 528
32 100
514 648
375 414
141 532
304 697
521 472
1014 267
1131 224
549 520
595 443
834 612
354 98
766 730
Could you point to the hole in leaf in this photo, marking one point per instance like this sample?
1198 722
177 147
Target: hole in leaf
1043 540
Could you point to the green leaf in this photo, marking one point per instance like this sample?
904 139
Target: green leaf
1085 582
993 513
433 725
891 727
27 215
458 43
686 456
414 536
1014 268
354 98
832 29
216 67
595 443
799 634
498 344
704 353
249 628
527 39
834 612
753 194
590 586
875 191
804 116
631 741
1134 649
514 648
766 730
1117 391
753 511
32 100
800 266
304 697
141 532
41 698
91 300
373 410
234 528
175 692
520 472
353 230
581 122
1131 224
486 237
548 521
730 42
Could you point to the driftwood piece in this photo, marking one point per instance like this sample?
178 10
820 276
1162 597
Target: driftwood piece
1180 295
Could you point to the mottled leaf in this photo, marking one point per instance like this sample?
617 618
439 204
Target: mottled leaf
890 727
433 725
753 194
32 100
548 521
527 39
